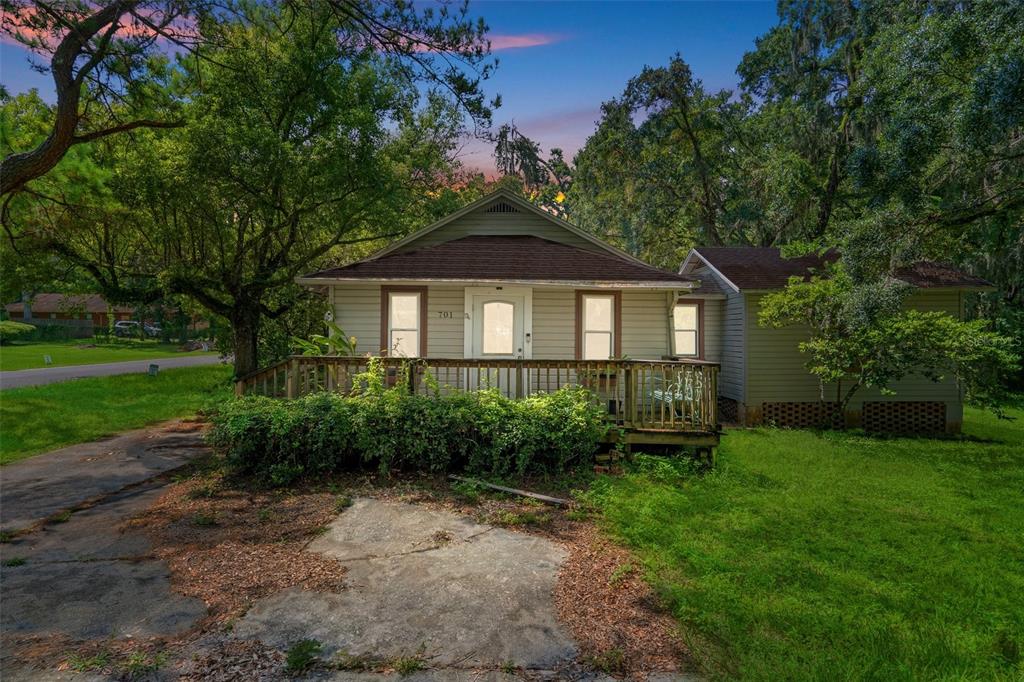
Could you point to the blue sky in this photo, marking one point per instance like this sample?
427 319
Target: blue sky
554 91
571 56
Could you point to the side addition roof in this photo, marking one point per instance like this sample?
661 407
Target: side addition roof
763 268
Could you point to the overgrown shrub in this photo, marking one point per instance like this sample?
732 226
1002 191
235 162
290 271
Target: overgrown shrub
481 432
11 330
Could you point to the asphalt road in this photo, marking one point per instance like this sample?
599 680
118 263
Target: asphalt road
49 375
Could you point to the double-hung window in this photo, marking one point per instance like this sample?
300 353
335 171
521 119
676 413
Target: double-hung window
598 315
686 341
404 323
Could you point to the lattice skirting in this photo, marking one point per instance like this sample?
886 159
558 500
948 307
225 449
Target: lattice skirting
801 415
728 410
904 417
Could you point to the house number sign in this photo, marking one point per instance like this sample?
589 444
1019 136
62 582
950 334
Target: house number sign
445 314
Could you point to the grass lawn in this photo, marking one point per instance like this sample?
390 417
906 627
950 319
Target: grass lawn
29 355
40 418
828 556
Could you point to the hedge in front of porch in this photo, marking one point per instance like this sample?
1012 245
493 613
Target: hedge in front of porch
481 432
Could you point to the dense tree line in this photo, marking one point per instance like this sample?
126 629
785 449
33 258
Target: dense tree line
892 130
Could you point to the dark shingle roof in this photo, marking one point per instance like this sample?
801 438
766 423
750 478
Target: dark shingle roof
489 258
763 267
928 274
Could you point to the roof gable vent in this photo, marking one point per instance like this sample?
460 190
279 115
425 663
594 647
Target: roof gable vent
501 207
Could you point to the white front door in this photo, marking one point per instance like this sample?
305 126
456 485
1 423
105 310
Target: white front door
498 327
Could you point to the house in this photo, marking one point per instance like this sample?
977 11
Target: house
504 294
46 308
763 377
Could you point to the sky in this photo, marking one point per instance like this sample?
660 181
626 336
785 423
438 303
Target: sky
558 61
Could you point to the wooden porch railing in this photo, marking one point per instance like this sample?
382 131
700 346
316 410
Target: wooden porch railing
675 395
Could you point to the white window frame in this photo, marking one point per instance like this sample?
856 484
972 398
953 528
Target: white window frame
698 315
584 330
419 322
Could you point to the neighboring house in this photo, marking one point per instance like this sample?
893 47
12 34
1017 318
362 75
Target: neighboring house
763 378
503 282
43 308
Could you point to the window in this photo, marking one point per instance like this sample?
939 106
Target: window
498 328
686 338
598 322
403 323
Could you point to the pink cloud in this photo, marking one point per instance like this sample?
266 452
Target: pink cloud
28 23
515 42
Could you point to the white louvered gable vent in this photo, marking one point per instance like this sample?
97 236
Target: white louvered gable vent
502 207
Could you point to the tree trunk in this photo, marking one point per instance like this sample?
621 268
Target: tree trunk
245 327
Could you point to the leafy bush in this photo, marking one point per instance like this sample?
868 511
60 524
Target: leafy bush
481 432
11 330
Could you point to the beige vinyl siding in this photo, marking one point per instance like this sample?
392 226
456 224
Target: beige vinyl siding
776 371
480 222
444 333
644 321
357 313
554 324
645 325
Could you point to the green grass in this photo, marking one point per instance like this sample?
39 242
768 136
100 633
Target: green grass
829 556
29 355
40 418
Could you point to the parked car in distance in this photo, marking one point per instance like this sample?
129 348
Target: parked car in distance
152 330
126 328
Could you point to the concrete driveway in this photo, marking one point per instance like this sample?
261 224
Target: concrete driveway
80 576
39 487
49 375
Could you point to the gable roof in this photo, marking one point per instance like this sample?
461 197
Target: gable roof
763 267
505 258
66 303
516 201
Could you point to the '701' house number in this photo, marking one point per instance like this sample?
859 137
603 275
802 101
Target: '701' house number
447 314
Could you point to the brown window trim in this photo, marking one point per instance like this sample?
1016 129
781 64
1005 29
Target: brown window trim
385 312
699 302
616 324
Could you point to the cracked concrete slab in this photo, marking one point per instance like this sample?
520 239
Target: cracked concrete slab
87 579
461 594
95 599
38 487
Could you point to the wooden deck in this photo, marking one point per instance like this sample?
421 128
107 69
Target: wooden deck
662 402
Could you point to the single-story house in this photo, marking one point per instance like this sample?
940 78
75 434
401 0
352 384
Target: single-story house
43 308
503 282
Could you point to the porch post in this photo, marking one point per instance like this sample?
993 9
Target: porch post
630 415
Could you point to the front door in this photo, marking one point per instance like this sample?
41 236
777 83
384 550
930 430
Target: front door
498 328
